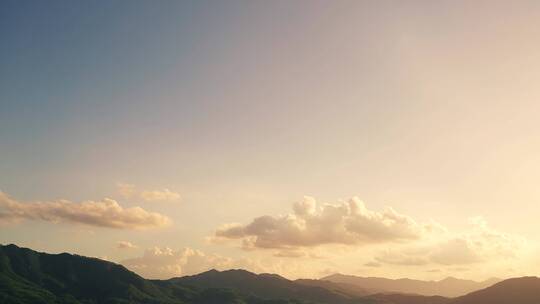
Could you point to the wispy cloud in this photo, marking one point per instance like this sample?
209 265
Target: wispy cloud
479 244
164 263
125 190
104 213
125 245
160 195
129 190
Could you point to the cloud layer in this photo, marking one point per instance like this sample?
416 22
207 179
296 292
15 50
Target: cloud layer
164 263
319 231
477 245
312 225
104 213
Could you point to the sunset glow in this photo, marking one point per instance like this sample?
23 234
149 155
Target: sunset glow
301 138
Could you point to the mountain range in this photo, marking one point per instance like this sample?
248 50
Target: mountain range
449 287
27 276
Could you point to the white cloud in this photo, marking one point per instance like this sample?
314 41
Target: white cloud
163 263
104 213
479 244
387 237
129 190
312 225
125 245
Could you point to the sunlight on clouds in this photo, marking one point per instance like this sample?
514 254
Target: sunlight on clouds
163 263
346 231
479 244
311 225
105 213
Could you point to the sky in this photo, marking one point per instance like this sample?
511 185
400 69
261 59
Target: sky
304 138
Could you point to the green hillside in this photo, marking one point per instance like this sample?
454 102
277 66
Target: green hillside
30 277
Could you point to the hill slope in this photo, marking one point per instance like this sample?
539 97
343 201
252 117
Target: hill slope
340 288
270 287
30 277
398 298
449 287
27 275
524 290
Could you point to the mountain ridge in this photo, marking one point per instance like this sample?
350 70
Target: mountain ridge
31 277
265 286
523 290
447 287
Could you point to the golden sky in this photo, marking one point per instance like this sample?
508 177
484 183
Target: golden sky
376 138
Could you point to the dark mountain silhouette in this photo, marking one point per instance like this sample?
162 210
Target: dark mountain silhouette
27 276
524 290
340 288
30 277
398 298
449 287
271 286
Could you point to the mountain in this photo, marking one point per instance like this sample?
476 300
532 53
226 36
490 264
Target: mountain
340 288
30 277
399 298
271 286
27 276
449 287
524 290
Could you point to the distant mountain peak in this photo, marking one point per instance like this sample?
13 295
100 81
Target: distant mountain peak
524 290
29 277
449 287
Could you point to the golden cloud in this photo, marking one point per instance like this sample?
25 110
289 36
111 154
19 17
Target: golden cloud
311 225
104 213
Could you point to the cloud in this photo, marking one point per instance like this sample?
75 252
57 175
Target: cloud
386 236
125 190
455 252
297 253
125 245
129 190
397 258
290 254
105 213
160 195
164 263
309 225
478 245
